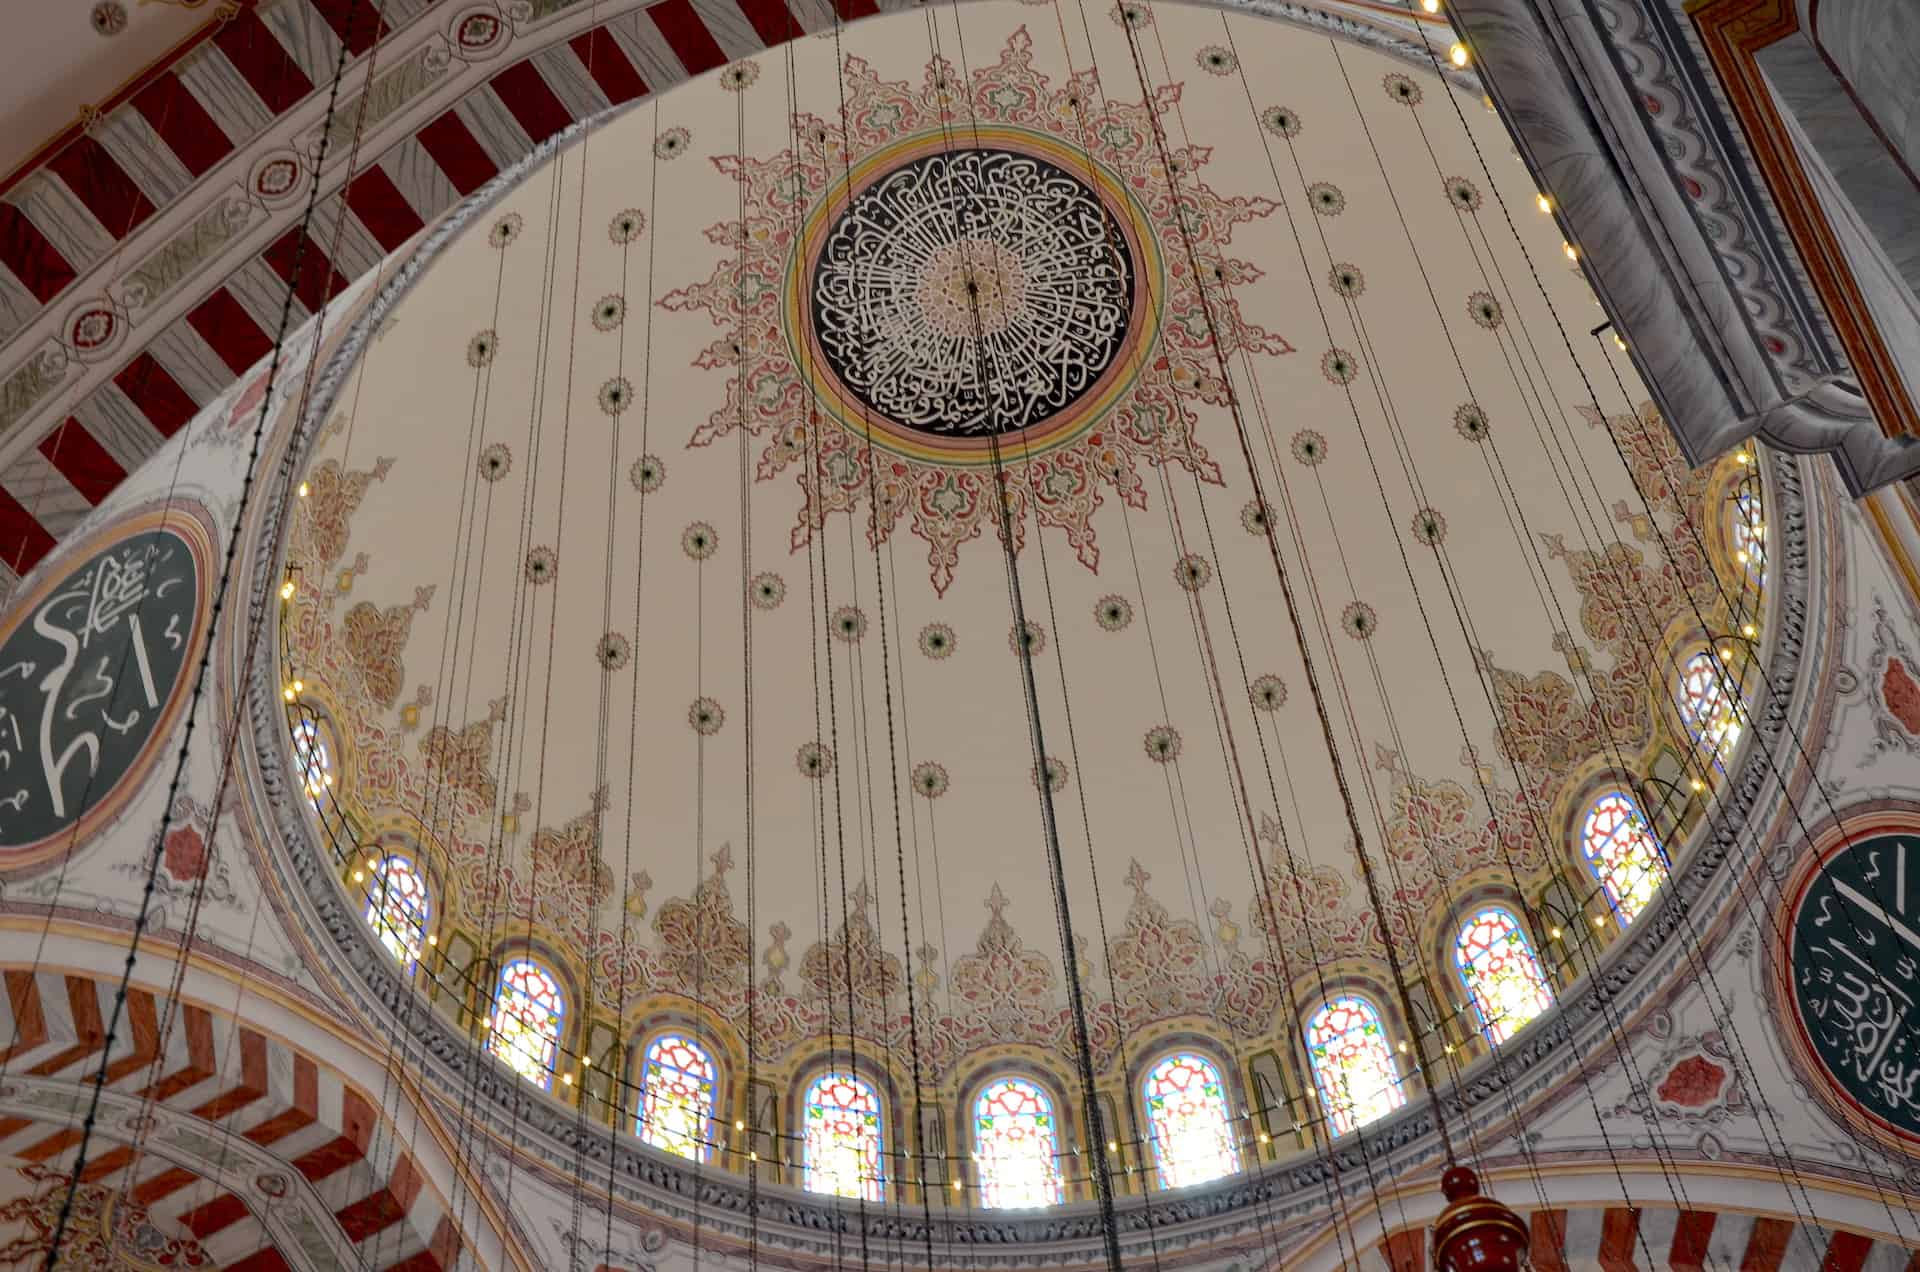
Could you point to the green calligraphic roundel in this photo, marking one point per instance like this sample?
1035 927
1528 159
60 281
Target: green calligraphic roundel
92 665
1855 968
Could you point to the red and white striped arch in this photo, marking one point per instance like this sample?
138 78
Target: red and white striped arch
264 1157
1619 1239
145 253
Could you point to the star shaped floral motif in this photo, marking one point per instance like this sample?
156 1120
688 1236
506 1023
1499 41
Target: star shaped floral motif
1135 397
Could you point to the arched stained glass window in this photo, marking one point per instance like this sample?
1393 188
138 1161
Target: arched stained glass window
1747 532
676 1096
1707 705
843 1138
528 1011
1352 1063
1187 1118
312 763
1016 1145
1498 967
398 907
1622 853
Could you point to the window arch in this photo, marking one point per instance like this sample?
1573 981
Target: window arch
1747 533
1016 1145
1621 851
844 1137
1352 1064
312 759
1709 706
398 907
1188 1120
529 1011
677 1084
1496 963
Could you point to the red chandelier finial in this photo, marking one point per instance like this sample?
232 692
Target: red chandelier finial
1475 1233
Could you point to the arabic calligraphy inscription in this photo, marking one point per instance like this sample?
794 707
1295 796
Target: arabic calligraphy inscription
88 671
1855 967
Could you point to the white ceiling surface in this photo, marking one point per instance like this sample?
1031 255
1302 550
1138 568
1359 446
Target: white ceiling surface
673 803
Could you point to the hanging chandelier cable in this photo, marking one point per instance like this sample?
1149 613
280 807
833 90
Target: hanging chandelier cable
1727 678
255 628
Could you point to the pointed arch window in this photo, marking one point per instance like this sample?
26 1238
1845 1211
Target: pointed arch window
1709 705
1503 977
1747 532
1352 1064
312 760
677 1084
398 907
1016 1145
844 1137
1621 851
1188 1120
528 1013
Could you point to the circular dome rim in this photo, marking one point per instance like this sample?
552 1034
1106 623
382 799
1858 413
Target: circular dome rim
1251 1196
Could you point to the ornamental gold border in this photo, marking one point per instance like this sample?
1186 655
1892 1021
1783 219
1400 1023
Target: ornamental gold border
1848 827
187 521
1057 430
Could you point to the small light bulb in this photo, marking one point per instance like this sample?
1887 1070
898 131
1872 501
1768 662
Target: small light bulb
1457 55
1573 253
1449 1048
753 1157
433 938
303 490
1265 1138
1743 458
1598 921
299 686
328 779
372 864
957 1185
586 1062
739 1125
1403 1048
1113 1146
1556 934
287 693
1619 344
1697 785
1749 631
1542 202
1726 654
1431 6
359 876
1741 556
567 1078
286 590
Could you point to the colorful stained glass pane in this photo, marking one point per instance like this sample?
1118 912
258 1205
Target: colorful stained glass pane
1352 1064
311 762
1747 531
1502 976
527 1015
398 907
1623 854
676 1096
842 1137
1708 706
1189 1121
1016 1145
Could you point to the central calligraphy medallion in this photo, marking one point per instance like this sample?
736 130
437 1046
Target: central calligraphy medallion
954 295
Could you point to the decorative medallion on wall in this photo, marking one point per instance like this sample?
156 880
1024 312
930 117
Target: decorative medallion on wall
93 668
1021 280
1851 974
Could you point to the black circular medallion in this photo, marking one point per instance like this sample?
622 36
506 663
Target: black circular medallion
1854 963
89 670
972 293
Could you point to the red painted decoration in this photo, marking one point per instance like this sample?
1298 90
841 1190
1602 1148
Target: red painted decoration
1475 1233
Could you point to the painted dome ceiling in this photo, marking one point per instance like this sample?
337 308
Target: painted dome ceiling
644 554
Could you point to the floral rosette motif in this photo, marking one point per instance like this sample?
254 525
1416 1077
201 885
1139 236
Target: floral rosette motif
1137 400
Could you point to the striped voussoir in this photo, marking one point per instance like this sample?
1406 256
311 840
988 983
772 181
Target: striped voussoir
298 1157
1619 1239
463 95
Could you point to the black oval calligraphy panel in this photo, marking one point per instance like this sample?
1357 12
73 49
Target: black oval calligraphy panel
88 671
1855 965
